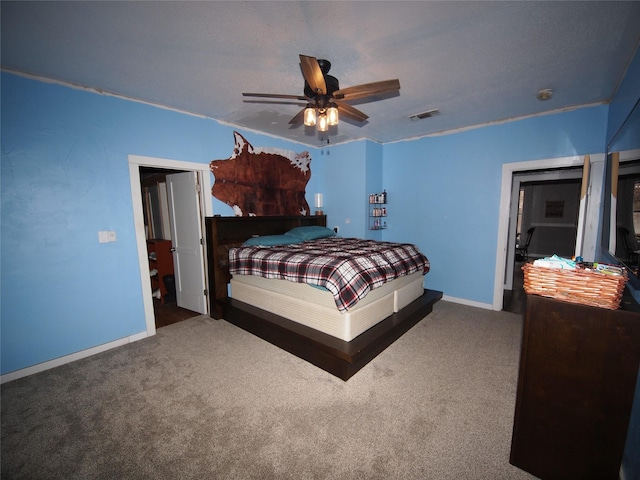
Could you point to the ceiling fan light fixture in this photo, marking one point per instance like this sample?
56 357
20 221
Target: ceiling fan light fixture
323 96
310 117
332 116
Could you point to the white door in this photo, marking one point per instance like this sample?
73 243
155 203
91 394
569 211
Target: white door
186 235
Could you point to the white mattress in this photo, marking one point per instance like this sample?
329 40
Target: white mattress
316 308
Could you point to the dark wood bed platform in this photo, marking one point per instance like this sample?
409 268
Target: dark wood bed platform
338 357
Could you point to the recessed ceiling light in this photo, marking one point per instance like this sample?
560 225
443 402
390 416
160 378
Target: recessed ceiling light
545 94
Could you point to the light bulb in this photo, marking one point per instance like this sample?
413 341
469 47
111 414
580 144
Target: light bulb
323 124
309 117
332 116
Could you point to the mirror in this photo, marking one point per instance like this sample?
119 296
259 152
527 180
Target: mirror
623 185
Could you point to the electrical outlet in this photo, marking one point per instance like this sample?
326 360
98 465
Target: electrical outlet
106 236
336 229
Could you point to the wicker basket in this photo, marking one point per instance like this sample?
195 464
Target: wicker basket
577 286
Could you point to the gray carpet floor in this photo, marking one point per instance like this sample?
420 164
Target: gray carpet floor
204 399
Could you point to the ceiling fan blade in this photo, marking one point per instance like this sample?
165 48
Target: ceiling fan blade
297 120
367 90
277 102
275 95
351 112
313 75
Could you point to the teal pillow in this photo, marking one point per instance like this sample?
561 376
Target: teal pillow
271 240
311 232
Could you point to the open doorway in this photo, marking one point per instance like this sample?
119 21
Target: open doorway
138 165
546 205
555 169
156 211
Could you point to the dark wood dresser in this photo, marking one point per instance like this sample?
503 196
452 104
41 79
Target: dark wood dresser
577 378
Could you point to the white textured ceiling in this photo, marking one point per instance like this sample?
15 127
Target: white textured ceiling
476 62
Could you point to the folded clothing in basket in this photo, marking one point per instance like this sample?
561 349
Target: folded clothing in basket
555 262
570 264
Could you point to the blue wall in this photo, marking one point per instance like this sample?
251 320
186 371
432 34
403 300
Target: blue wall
445 190
626 97
65 176
342 170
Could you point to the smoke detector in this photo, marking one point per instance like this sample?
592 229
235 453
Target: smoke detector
545 94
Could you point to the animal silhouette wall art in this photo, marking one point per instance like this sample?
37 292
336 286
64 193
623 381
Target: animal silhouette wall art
262 181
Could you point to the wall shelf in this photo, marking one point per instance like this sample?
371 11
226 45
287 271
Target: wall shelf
378 211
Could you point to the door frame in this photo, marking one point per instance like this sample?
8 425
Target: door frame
518 178
504 251
135 162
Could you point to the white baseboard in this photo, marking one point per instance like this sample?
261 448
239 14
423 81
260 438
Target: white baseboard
464 301
56 362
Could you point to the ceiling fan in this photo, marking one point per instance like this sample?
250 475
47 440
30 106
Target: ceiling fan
324 98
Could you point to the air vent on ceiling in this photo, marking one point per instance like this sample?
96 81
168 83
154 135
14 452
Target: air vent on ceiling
427 114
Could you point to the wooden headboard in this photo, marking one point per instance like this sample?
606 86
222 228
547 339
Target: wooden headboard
224 233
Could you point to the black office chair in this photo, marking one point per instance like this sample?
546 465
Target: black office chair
522 251
630 251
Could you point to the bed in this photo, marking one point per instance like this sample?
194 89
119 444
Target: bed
311 321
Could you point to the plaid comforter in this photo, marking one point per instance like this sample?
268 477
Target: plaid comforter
348 267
